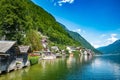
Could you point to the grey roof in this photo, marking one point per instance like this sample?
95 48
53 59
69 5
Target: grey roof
55 48
6 45
24 49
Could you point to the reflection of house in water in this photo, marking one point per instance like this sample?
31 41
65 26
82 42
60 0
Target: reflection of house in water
85 58
8 54
70 61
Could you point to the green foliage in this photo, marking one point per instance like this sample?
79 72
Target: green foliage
66 51
84 43
33 38
33 59
20 20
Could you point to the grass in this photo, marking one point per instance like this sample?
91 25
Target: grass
33 59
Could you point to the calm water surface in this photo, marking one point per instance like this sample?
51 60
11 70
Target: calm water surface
105 67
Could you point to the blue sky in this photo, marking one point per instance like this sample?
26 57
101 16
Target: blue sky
98 21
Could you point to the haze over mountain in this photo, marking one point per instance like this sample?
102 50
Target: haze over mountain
113 48
76 36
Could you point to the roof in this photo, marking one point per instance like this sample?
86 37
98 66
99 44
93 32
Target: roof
24 49
54 47
6 45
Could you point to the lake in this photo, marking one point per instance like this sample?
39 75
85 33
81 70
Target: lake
105 67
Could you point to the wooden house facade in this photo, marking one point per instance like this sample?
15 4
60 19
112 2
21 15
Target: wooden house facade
8 54
23 55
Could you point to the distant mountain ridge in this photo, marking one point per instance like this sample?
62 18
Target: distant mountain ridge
113 48
77 37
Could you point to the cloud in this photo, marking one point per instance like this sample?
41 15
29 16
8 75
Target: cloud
80 31
97 44
66 1
112 39
77 30
61 2
105 41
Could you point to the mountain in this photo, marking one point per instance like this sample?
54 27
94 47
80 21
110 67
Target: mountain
77 37
111 49
22 20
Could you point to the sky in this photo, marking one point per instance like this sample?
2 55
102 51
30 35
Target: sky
98 21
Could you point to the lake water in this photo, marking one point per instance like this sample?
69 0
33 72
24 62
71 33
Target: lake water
105 67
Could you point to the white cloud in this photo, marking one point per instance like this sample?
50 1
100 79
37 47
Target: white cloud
77 30
80 31
112 39
61 2
97 44
66 1
105 41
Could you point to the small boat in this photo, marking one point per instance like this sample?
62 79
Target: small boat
49 57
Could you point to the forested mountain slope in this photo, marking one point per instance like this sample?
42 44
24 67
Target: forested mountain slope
22 20
76 36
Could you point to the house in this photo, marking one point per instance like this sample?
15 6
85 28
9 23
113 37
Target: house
8 54
22 57
54 48
70 49
48 55
44 41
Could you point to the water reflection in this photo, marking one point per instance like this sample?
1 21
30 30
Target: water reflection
80 67
85 58
16 75
72 60
106 67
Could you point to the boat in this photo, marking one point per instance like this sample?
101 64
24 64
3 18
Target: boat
48 55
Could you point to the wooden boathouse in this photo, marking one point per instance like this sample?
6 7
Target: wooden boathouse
12 56
22 57
8 54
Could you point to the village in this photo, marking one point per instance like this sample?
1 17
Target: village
14 56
